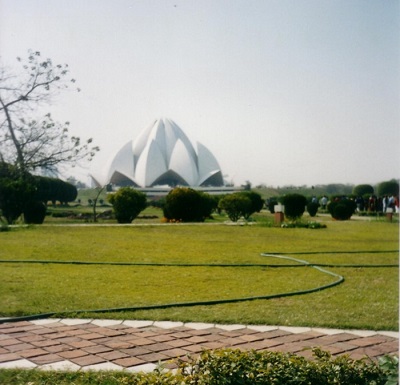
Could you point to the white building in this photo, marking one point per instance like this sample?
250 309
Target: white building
162 155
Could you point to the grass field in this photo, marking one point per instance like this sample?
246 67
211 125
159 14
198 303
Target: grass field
368 298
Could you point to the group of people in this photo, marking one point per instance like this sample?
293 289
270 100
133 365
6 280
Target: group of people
387 203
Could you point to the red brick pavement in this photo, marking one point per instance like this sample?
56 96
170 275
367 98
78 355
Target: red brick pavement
140 345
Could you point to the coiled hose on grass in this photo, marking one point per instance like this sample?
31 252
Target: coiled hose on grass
297 263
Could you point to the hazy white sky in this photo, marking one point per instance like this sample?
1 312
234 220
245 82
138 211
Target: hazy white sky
281 91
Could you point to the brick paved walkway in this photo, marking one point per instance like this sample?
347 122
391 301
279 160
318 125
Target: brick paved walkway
75 344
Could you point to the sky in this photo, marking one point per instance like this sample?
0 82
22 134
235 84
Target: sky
283 92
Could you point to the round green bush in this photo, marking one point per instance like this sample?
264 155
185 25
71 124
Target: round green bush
127 204
35 213
188 205
312 208
342 209
236 205
295 205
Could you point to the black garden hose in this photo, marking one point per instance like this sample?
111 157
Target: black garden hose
298 263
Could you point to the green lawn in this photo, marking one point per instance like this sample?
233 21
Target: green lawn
367 299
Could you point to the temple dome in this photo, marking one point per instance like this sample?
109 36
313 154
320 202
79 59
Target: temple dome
162 154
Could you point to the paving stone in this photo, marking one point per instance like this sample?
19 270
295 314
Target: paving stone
67 340
196 340
57 348
228 342
19 347
213 345
113 355
75 321
61 365
47 322
107 332
158 347
128 362
106 322
138 351
175 353
295 330
81 344
9 357
10 341
31 338
142 342
230 327
251 337
19 364
91 336
178 343
73 353
87 360
153 357
145 368
118 344
362 333
194 348
180 335
32 353
162 338
167 324
103 366
96 349
261 328
138 324
45 343
198 326
389 334
45 359
369 341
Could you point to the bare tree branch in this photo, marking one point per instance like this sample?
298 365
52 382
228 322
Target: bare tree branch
36 143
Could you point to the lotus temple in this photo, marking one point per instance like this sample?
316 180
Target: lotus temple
160 158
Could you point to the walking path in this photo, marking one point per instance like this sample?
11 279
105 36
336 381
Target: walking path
79 344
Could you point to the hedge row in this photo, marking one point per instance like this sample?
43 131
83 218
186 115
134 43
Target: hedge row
232 367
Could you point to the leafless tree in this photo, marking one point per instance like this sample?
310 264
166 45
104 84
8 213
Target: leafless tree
29 142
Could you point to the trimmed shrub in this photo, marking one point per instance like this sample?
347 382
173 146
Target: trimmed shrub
257 203
363 189
388 188
342 209
53 189
236 205
127 204
312 208
188 205
35 213
295 205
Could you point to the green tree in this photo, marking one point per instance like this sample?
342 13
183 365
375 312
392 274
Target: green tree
390 187
30 142
236 205
127 204
295 205
363 189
